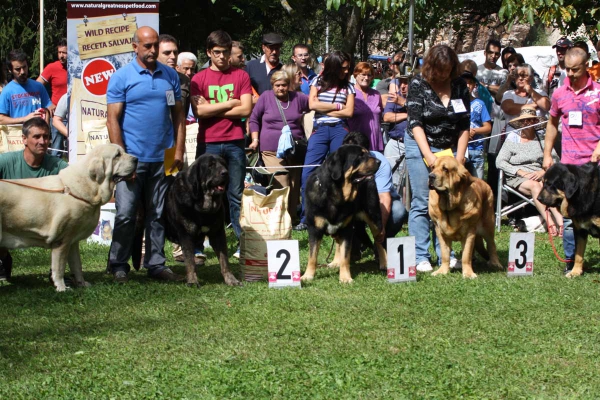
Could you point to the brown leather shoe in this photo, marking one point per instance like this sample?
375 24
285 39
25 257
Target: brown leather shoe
167 275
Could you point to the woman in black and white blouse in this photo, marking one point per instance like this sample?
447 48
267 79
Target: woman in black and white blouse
439 112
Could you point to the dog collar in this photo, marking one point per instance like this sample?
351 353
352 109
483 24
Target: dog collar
64 190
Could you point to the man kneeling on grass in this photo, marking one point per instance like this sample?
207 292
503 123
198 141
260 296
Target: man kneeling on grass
31 162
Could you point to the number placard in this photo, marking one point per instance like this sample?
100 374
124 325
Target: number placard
402 266
283 260
520 254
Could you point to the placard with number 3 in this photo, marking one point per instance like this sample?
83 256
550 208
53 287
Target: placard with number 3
520 254
283 263
401 259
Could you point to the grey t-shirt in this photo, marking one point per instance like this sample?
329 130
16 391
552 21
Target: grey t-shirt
62 108
494 77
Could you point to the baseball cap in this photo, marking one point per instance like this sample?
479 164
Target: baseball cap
272 38
563 42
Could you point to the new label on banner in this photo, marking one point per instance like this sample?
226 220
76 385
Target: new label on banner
520 254
402 266
95 76
283 259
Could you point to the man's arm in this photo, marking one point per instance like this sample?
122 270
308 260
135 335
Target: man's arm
178 118
41 80
385 205
6 120
60 126
395 117
203 110
551 133
115 134
243 110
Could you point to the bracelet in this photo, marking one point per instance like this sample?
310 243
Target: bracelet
255 140
338 106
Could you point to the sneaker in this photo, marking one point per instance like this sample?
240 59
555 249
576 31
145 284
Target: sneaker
166 275
121 277
424 266
237 253
5 268
455 264
300 227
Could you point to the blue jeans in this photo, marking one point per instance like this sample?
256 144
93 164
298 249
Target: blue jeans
393 151
418 216
57 141
396 219
475 163
235 157
150 187
324 140
569 240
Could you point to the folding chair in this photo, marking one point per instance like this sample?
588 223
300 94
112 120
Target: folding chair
502 211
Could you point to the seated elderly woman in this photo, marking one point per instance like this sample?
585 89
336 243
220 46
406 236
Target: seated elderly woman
266 123
514 100
522 160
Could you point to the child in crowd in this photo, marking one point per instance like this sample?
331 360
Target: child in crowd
480 127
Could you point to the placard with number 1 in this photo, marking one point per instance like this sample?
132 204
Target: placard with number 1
401 259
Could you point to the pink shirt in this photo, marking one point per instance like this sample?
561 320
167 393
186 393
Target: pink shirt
578 142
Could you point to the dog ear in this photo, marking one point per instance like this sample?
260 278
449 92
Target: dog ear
571 185
464 175
336 167
96 169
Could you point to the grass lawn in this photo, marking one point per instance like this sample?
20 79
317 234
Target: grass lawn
442 337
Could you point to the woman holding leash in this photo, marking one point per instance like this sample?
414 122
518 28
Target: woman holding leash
521 162
274 110
367 107
332 99
438 106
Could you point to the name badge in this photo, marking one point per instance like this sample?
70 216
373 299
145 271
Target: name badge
170 97
458 105
575 118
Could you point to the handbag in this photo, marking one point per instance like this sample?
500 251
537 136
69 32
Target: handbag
285 146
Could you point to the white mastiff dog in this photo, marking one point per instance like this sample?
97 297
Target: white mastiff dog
58 211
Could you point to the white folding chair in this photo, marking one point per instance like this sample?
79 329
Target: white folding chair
502 211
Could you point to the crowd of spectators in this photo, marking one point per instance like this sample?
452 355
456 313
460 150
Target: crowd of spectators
239 105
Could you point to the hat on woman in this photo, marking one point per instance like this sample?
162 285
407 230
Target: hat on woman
528 112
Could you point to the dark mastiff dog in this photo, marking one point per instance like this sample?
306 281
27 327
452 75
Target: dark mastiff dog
340 190
575 191
194 209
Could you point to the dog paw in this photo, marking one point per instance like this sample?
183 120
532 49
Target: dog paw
346 280
83 284
193 285
573 274
440 271
307 278
231 280
469 275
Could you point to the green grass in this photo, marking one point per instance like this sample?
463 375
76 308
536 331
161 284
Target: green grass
441 337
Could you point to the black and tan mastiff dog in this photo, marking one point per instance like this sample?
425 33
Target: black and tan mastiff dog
575 191
339 191
194 209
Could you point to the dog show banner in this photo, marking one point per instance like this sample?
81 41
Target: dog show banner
99 37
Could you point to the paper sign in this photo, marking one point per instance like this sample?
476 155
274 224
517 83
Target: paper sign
459 106
402 266
575 118
447 152
520 254
169 160
283 260
102 38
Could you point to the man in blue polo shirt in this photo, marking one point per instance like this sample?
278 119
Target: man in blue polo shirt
23 98
260 70
301 57
145 117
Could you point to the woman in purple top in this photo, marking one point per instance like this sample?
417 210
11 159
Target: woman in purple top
265 127
367 107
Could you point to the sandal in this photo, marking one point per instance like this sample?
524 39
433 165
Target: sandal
552 230
561 231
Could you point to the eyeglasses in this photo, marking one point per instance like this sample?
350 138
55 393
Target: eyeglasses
218 53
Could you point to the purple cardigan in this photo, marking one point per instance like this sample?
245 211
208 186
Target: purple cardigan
266 118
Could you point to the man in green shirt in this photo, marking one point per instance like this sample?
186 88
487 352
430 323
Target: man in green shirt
31 162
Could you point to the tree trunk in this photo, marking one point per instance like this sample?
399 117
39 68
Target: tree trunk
353 27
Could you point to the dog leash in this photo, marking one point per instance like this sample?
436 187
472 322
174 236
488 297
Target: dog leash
552 242
64 190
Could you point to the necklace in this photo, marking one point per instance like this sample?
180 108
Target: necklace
288 103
